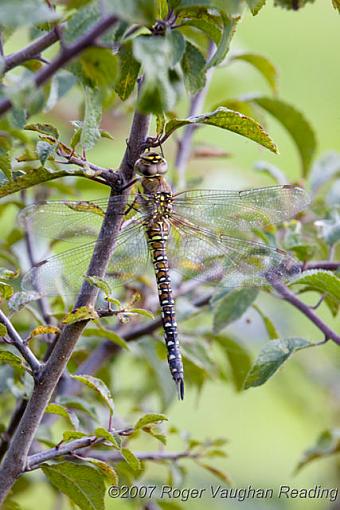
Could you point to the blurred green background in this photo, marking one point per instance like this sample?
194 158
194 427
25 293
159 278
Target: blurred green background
267 427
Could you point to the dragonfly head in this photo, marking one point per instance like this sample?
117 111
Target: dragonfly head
151 164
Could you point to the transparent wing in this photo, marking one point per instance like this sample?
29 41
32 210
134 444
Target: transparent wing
229 211
68 220
225 260
63 273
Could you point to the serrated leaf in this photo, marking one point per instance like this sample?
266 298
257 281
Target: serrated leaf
98 386
231 120
328 443
43 330
44 151
255 5
64 412
238 357
84 485
108 334
90 132
45 129
262 64
11 359
83 313
129 69
297 126
322 281
131 459
271 358
150 418
229 27
193 66
232 306
101 432
80 23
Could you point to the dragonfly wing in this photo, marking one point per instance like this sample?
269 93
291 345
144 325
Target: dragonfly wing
68 220
226 260
64 273
230 211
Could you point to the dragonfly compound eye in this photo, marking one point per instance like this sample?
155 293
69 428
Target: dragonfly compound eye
151 164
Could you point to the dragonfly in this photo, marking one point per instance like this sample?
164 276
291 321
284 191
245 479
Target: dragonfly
201 234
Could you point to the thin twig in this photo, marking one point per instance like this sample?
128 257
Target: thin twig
305 309
23 348
66 55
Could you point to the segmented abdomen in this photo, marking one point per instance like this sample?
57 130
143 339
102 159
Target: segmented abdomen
157 234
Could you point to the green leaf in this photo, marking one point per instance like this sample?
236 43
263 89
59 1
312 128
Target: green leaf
297 126
129 69
83 313
204 20
71 435
271 358
101 432
15 13
229 27
131 459
157 93
107 471
321 281
80 23
84 485
100 67
328 444
336 4
3 330
10 504
324 170
262 64
6 291
44 129
178 45
100 283
65 413
255 5
108 334
142 12
232 306
98 386
43 330
150 418
193 66
11 359
217 472
44 151
141 311
90 133
271 329
238 357
230 120
292 4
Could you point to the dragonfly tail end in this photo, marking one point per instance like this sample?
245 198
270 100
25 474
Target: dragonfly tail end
180 388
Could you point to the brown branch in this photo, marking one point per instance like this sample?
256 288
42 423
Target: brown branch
15 460
305 309
66 55
31 51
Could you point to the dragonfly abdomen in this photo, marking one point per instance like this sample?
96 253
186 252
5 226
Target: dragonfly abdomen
157 234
